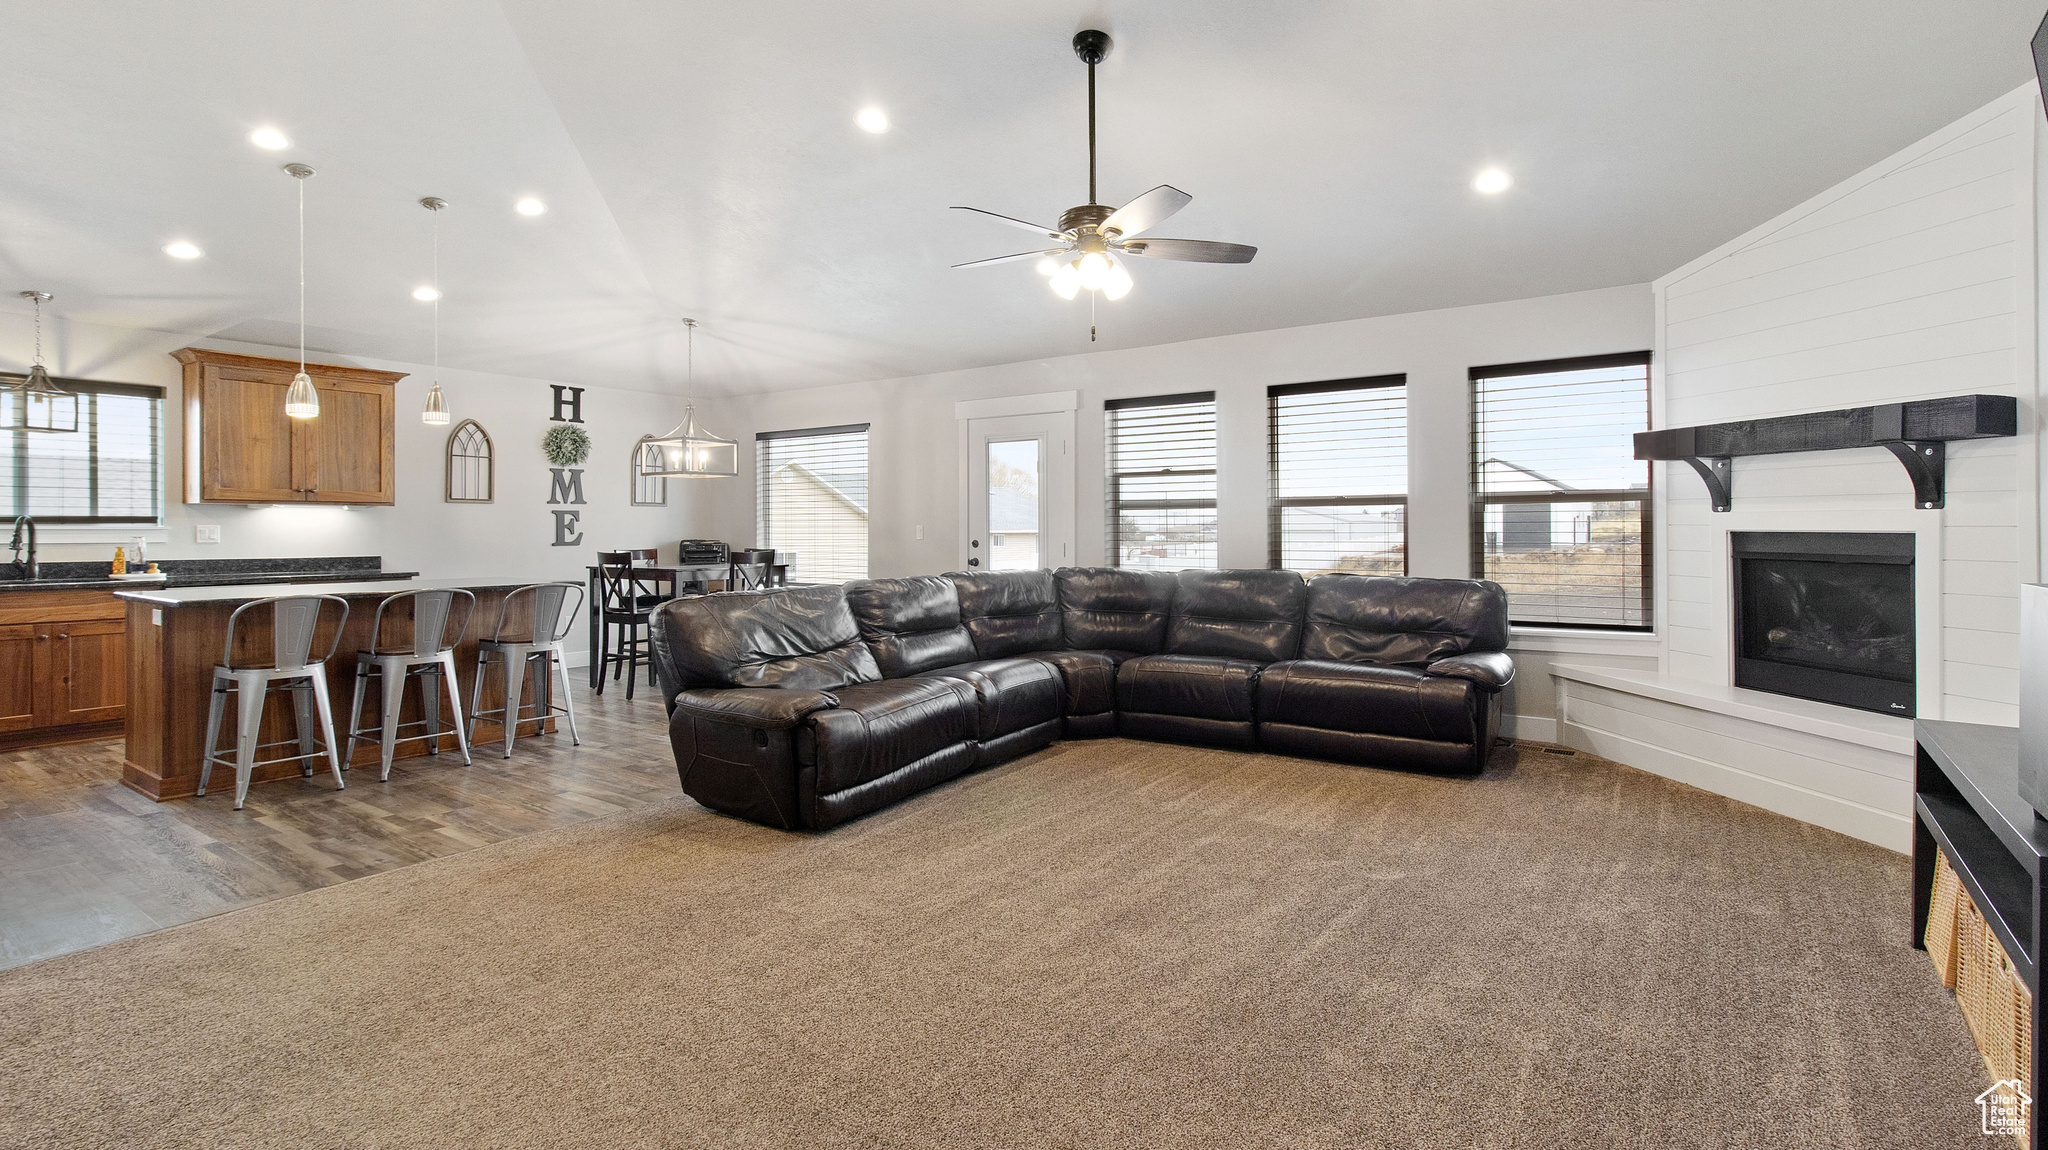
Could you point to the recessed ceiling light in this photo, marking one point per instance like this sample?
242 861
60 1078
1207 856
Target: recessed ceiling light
872 120
529 207
425 294
180 250
1493 180
270 138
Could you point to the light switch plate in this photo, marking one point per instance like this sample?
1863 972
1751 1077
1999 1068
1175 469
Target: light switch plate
206 533
156 616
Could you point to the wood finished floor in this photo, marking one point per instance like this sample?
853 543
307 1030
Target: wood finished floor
85 861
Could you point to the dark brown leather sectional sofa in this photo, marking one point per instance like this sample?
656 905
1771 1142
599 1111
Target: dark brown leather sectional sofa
809 706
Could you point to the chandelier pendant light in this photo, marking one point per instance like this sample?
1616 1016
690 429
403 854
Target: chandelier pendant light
301 401
689 451
38 404
435 413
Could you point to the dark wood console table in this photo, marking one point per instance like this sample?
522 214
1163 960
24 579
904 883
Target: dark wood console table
1966 802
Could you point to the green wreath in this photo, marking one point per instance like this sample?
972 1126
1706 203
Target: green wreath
566 445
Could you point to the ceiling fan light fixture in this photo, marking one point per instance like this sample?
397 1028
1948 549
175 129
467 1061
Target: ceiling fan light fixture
1066 282
1093 270
1116 283
1047 266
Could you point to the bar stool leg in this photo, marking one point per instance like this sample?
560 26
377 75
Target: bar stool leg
515 682
302 718
430 704
249 698
355 714
213 710
447 676
476 694
326 710
561 665
394 702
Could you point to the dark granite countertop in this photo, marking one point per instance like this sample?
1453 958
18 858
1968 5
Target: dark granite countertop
207 573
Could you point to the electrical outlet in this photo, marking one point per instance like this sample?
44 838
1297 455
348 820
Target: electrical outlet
206 533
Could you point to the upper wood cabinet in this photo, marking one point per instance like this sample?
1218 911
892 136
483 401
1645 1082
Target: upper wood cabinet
240 446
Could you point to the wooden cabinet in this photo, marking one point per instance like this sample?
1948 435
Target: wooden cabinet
240 446
63 666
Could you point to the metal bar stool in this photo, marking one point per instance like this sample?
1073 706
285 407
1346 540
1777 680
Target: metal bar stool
293 619
544 640
430 655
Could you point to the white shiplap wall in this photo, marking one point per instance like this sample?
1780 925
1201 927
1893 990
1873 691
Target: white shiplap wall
1915 279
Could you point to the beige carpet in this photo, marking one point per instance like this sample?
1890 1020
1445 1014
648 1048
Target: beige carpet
1110 944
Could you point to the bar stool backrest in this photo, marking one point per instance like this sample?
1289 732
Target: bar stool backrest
293 619
430 612
551 621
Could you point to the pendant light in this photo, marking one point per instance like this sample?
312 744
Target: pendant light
435 413
301 401
689 451
38 404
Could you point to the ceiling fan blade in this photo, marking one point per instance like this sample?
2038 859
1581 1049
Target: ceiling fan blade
1192 251
1013 222
1149 209
1007 259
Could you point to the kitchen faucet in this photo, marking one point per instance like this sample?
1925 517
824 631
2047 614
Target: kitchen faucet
30 569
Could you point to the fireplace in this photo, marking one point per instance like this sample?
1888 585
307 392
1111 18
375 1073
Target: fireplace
1826 615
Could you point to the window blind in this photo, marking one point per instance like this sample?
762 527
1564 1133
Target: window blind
1561 514
108 471
1339 476
812 499
1161 454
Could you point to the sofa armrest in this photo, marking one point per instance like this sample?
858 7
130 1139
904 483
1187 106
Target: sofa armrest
763 708
1491 670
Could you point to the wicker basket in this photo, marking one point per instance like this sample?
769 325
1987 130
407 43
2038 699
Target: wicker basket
1994 1001
1943 910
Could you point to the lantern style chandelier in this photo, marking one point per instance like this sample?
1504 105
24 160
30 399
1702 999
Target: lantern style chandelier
301 401
37 403
435 413
688 451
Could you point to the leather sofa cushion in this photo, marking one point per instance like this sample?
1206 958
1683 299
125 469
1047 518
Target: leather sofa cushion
1253 615
911 624
1013 693
1109 608
1088 678
798 638
1377 619
1392 701
880 727
1191 685
1009 612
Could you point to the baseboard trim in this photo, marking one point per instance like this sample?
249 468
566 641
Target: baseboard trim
1530 728
1882 828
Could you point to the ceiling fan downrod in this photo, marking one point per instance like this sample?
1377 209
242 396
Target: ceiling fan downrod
1091 46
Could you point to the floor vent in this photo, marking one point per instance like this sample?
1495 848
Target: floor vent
1559 751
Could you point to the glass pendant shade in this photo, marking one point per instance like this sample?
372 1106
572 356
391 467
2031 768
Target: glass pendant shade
302 402
38 404
1066 281
435 413
1092 269
1116 283
689 452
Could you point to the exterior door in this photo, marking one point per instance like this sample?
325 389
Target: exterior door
1018 493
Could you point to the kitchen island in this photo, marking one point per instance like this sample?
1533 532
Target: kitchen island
176 637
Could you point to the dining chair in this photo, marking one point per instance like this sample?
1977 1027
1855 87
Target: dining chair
627 597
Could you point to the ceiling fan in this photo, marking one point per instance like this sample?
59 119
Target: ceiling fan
1094 236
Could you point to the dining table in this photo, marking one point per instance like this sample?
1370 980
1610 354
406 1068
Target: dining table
676 575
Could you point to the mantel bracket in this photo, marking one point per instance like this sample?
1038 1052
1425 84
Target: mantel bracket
1926 464
1718 472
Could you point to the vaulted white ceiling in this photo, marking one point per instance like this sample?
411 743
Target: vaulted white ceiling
701 159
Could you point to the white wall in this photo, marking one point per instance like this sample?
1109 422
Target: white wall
1913 280
510 536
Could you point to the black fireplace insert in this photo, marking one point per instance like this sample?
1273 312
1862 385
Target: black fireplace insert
1826 615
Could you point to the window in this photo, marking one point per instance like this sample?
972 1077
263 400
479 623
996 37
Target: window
1162 481
1561 508
812 499
1339 469
108 471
